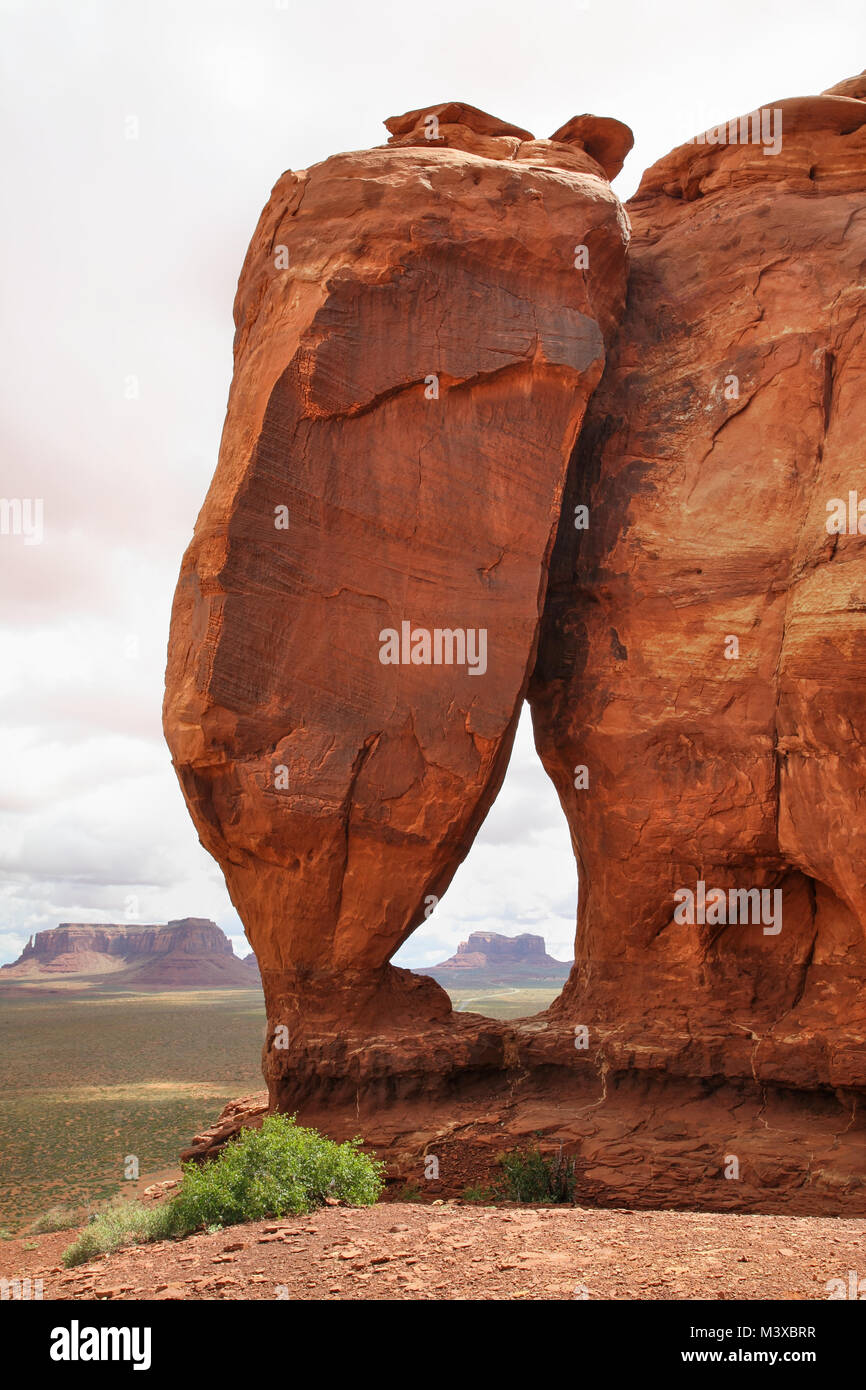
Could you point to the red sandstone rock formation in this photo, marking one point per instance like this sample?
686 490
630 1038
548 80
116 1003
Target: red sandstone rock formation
419 328
74 947
522 957
727 422
704 641
191 951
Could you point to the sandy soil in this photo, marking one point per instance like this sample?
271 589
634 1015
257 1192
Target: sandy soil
458 1251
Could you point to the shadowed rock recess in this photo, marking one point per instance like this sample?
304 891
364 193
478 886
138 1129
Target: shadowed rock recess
420 328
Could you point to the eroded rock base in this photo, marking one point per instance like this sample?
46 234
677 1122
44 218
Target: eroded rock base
648 1115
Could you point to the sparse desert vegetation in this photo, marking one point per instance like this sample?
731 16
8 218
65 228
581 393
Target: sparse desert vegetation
529 1176
89 1079
132 1074
282 1169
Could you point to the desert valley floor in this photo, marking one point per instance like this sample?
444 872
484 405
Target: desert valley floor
91 1077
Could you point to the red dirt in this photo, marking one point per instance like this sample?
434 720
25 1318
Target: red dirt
455 1251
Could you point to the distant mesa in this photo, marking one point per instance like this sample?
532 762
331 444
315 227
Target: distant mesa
192 952
490 957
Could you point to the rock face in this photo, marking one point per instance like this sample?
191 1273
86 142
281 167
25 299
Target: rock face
696 689
76 947
190 951
704 639
419 328
521 957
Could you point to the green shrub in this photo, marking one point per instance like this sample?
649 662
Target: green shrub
479 1193
281 1169
530 1177
121 1223
57 1219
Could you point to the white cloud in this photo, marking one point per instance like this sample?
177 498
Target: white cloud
519 875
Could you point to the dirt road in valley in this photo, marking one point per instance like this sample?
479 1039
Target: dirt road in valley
460 1251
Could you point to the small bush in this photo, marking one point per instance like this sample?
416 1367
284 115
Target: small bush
57 1219
530 1177
121 1223
281 1169
485 1195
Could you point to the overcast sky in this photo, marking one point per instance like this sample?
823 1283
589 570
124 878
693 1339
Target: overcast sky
140 142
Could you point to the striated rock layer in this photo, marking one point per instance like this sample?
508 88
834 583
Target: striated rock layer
488 959
192 951
419 328
697 702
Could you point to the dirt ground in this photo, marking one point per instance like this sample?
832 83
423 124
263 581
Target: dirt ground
450 1250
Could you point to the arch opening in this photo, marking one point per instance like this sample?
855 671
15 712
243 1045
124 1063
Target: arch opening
501 940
